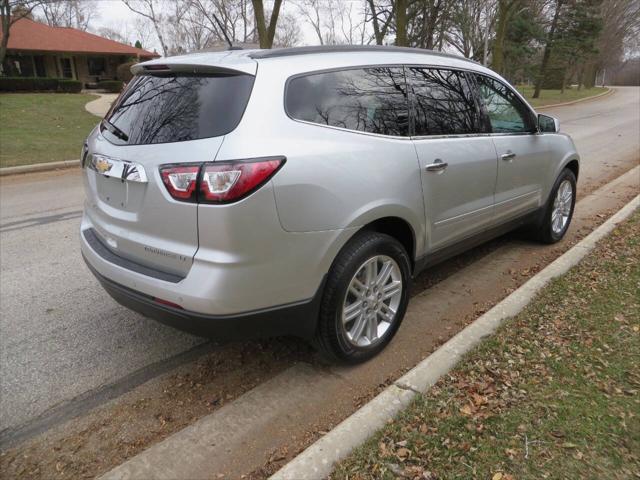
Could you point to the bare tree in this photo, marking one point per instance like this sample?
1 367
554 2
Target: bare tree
471 24
547 48
112 34
151 10
10 12
428 23
382 15
266 33
288 32
69 13
620 34
331 20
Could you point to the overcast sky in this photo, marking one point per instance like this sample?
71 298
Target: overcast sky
114 14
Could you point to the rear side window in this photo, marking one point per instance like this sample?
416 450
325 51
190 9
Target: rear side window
177 107
442 101
505 111
368 100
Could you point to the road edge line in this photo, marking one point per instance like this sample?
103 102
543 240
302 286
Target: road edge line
38 167
610 91
317 461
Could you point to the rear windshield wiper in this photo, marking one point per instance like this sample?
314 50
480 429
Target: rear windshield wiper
115 130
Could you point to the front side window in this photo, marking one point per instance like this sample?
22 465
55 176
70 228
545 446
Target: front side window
178 107
505 111
442 102
368 100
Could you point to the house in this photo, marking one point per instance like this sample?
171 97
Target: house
38 50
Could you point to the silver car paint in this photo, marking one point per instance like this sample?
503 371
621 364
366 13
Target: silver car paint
275 246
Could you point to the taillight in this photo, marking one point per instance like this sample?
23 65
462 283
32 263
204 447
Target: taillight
181 181
231 181
221 182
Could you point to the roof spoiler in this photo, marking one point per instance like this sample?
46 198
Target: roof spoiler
157 67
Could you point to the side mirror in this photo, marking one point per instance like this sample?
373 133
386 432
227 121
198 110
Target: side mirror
548 124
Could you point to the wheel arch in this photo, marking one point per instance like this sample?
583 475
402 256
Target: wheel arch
398 228
574 165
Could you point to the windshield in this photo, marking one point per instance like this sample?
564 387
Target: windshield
177 107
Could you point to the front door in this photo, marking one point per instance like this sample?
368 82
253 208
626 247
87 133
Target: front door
458 164
523 156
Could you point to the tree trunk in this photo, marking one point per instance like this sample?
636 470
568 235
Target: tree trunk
547 50
258 10
376 24
266 34
271 31
401 23
5 17
504 13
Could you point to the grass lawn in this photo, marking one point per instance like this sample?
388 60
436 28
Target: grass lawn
554 394
550 97
43 127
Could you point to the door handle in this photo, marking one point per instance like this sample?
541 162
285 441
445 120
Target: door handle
437 166
508 156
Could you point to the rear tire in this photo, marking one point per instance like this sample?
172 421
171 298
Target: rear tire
365 298
559 210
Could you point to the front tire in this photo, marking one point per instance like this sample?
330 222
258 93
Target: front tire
559 210
365 298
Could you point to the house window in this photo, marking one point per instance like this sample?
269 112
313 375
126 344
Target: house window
41 70
96 66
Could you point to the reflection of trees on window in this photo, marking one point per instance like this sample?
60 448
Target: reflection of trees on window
443 103
160 109
175 108
505 110
369 100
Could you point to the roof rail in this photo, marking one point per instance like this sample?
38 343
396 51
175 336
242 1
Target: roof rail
286 52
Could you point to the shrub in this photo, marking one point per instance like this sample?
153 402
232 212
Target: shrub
69 86
113 86
28 84
123 72
37 84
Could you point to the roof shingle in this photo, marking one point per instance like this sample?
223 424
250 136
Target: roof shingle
27 34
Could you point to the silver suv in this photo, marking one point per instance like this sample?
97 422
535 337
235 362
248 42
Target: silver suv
298 191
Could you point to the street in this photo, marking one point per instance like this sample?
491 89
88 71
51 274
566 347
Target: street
63 338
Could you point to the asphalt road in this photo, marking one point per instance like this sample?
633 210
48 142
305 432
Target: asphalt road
62 337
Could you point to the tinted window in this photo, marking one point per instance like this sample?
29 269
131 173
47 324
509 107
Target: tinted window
506 112
369 100
443 102
175 108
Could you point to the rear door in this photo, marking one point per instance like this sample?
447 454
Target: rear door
171 118
523 155
458 164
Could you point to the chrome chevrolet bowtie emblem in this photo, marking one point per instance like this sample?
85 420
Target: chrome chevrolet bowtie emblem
101 164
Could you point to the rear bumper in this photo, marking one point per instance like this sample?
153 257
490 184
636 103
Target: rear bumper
298 319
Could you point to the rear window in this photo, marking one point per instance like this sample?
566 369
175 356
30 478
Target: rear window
177 108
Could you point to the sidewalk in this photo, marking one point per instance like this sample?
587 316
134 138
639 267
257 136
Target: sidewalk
554 394
101 106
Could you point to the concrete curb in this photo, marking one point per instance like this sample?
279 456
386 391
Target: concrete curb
609 91
317 461
38 167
